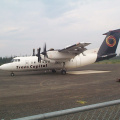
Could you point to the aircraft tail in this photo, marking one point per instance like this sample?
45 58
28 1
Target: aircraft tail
108 48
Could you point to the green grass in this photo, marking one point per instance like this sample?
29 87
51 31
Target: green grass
110 61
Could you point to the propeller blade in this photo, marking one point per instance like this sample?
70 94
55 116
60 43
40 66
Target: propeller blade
33 52
44 51
39 57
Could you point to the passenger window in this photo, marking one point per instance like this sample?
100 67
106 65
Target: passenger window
18 60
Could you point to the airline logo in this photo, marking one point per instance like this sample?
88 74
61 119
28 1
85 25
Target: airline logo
111 41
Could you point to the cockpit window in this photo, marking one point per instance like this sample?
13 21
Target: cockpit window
12 60
15 60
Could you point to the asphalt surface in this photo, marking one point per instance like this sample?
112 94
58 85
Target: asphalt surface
32 93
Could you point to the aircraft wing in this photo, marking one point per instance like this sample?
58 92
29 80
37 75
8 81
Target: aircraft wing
75 49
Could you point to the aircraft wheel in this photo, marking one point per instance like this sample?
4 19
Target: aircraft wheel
53 71
12 74
63 72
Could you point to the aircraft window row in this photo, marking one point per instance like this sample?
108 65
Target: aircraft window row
44 62
41 62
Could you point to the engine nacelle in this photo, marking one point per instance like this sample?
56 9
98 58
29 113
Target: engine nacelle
59 56
47 59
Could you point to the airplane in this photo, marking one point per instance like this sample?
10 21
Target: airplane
73 56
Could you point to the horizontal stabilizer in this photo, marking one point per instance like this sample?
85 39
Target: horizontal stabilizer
113 31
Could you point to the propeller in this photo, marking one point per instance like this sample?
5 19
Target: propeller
44 51
38 54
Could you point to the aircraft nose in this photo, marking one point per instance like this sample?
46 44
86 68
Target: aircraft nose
6 67
2 67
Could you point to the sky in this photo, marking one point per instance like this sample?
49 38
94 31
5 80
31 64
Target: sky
28 24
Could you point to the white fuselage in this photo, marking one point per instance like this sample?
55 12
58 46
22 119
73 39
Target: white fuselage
31 63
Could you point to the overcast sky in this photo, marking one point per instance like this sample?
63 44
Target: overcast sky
28 24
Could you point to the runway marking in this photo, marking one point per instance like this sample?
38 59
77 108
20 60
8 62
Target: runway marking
86 72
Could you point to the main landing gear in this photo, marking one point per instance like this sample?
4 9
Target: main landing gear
53 71
12 74
63 72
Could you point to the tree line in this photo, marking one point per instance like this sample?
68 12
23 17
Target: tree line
4 60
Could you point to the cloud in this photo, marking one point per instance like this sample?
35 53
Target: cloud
29 24
11 29
2 46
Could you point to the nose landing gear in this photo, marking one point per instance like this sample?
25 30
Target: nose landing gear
12 74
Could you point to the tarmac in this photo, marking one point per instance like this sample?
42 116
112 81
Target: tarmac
32 93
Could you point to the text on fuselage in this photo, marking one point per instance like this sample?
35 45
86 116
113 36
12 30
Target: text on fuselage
31 66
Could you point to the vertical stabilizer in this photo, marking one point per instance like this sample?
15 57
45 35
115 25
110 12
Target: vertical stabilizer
108 48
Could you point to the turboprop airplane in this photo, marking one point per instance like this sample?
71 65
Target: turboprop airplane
64 59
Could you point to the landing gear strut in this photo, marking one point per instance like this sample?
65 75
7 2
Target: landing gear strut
12 74
63 72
